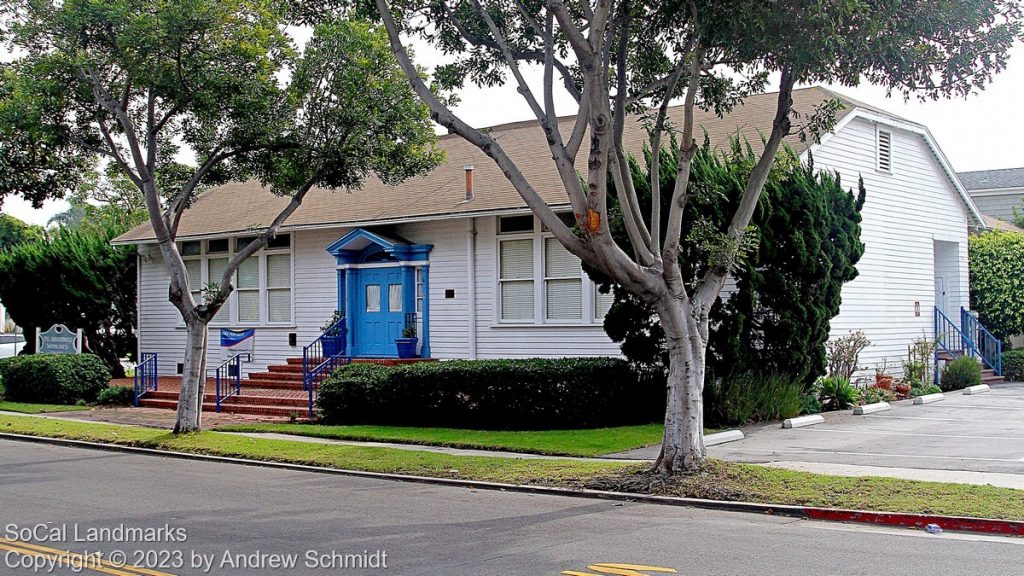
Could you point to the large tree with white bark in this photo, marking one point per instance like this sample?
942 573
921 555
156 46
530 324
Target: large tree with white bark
180 95
622 61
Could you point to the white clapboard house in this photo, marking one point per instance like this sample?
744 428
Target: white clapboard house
457 255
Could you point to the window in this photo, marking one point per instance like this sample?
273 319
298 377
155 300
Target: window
602 303
394 297
248 291
563 283
540 281
513 224
884 151
373 297
279 287
263 283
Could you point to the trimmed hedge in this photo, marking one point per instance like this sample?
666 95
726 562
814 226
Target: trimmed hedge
960 373
493 394
54 378
1013 365
116 396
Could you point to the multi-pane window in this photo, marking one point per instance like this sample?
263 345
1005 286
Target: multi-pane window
516 279
263 282
539 280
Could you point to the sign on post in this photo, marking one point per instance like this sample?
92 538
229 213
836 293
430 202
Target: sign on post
59 339
234 342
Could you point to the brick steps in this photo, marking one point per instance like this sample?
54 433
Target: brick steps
250 396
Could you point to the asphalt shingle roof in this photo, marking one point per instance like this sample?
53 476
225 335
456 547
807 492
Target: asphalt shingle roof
240 206
993 179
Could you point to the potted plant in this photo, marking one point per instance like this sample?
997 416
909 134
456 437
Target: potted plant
333 338
883 380
407 343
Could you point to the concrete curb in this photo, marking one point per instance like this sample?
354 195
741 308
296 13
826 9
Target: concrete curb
871 408
979 389
929 398
722 437
903 520
801 421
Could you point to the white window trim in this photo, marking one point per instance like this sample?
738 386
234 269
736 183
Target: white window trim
230 307
588 310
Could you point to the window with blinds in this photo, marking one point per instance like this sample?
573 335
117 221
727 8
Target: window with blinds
516 279
194 271
215 268
279 287
602 303
248 292
563 283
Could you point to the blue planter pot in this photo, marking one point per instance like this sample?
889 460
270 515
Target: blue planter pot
406 347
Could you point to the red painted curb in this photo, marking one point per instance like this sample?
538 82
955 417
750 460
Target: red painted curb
955 523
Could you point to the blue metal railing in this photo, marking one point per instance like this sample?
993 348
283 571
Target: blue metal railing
228 378
985 345
146 376
322 356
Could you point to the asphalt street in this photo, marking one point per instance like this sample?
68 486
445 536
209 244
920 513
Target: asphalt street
227 510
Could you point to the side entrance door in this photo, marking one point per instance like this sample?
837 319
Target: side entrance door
379 317
941 302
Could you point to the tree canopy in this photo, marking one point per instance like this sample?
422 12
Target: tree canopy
786 287
181 95
14 232
997 293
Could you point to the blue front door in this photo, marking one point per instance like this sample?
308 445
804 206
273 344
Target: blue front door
379 317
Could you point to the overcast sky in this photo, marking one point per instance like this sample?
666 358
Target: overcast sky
979 133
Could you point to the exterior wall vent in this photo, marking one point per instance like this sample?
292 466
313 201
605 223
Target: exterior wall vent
884 145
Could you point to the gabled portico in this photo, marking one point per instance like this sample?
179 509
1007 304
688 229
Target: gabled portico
383 283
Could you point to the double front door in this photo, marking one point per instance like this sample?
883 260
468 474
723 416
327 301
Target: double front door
379 317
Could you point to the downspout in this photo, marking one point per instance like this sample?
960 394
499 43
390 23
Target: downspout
471 292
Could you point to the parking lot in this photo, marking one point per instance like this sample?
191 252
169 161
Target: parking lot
969 438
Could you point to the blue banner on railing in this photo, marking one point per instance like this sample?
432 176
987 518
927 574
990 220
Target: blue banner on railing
237 341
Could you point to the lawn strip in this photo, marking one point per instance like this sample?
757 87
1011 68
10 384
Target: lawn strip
27 408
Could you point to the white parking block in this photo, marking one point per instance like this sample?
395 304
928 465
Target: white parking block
929 398
979 389
723 437
871 408
800 422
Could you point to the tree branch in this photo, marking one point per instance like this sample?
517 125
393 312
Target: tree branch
444 116
714 278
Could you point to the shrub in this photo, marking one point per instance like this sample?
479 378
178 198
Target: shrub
844 354
960 373
836 393
55 378
743 398
493 394
996 266
1013 365
875 395
809 404
924 390
116 396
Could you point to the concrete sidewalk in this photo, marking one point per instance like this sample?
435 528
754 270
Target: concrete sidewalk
971 439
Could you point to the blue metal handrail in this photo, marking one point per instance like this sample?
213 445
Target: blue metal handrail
985 344
322 356
146 376
224 372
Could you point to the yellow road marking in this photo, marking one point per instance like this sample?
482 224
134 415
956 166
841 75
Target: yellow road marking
88 562
618 569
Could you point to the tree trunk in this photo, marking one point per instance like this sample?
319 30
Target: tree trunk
193 378
682 447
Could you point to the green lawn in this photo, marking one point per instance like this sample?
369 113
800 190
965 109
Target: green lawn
719 480
27 408
590 442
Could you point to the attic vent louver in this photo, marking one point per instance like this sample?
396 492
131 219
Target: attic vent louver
884 151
